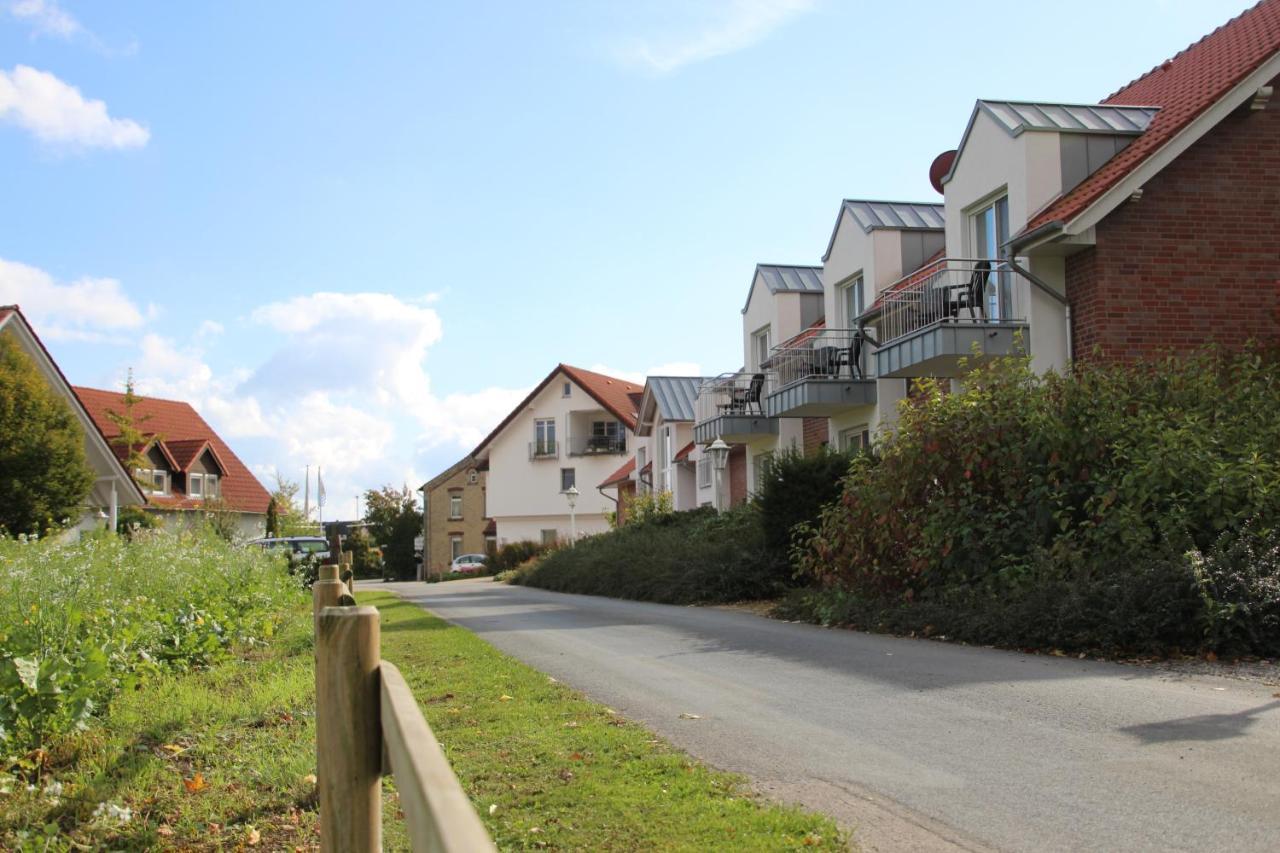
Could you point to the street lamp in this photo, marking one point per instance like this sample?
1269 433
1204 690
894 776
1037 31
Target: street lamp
719 453
571 495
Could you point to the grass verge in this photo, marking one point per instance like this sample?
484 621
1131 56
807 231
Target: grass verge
221 759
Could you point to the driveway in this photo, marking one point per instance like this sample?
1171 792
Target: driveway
920 745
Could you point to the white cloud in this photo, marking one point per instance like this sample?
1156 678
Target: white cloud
55 112
46 17
671 368
728 26
79 310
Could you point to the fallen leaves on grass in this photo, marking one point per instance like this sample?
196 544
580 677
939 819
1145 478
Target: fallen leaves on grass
195 784
252 837
504 698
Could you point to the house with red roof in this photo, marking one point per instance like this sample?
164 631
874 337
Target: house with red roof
190 471
571 432
1145 222
113 487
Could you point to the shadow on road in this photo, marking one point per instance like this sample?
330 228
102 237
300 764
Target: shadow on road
1205 727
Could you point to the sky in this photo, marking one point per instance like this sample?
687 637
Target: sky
354 235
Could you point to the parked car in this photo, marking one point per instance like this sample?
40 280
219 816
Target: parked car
296 548
468 564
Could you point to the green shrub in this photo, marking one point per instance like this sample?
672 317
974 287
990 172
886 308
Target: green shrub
683 558
1065 487
1239 583
513 554
80 621
794 492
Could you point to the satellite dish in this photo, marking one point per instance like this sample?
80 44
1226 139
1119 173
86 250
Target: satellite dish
941 165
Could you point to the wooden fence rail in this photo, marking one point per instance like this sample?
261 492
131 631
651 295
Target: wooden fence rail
368 724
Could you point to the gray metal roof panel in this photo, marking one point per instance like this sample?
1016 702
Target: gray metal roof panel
675 395
895 214
1019 116
787 279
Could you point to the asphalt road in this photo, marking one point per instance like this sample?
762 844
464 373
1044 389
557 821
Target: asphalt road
919 745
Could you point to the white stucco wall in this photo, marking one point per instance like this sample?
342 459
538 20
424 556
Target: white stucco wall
520 487
521 528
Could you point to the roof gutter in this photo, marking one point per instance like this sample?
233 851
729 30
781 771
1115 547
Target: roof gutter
1036 236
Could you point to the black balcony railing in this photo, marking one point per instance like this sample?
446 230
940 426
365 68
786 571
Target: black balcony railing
592 445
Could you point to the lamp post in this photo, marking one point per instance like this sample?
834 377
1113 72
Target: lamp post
719 453
571 495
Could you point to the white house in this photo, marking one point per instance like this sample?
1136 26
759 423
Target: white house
666 457
573 430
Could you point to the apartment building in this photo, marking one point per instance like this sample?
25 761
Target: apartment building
666 459
455 518
570 433
783 303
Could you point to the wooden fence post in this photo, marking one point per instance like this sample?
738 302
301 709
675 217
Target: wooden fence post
325 592
349 729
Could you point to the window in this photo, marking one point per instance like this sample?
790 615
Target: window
664 452
568 479
606 436
195 485
152 481
455 546
455 506
855 438
544 437
549 537
210 485
760 468
473 477
568 389
852 302
990 234
704 473
760 343
641 485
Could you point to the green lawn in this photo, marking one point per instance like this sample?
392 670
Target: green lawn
222 759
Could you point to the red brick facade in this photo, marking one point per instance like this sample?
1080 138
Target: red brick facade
815 435
1196 259
737 471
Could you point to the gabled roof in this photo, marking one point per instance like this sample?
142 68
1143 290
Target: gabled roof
616 396
781 278
1184 88
672 397
185 451
872 215
179 425
622 475
467 461
682 455
11 315
1017 117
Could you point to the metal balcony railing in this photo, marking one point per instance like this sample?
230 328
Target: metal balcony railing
823 354
544 449
593 445
957 291
739 393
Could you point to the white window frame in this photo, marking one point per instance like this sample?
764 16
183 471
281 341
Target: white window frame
855 437
212 485
1000 286
195 485
455 547
552 538
759 464
704 473
857 285
568 390
544 436
573 476
761 343
455 499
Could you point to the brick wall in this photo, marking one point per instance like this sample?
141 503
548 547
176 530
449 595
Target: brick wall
737 473
1197 258
470 526
815 434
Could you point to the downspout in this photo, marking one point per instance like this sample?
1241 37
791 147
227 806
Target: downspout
1062 300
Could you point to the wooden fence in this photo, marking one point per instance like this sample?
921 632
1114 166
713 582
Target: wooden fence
369 725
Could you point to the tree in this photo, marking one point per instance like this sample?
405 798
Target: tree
273 518
394 522
44 477
289 518
131 436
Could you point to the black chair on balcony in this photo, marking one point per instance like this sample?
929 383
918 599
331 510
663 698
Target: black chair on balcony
853 353
752 395
824 361
976 293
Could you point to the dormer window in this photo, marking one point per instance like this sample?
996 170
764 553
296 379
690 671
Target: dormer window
153 481
195 485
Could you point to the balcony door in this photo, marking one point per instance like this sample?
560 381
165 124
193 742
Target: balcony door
991 233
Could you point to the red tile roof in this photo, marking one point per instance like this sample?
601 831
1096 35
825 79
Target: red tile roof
683 454
613 394
621 475
1183 87
183 432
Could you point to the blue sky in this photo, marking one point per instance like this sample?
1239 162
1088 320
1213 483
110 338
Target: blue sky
353 234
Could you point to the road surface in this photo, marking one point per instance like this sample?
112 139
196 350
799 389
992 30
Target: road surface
918 745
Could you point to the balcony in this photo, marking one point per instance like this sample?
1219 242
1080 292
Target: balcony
544 449
597 445
731 408
820 374
956 308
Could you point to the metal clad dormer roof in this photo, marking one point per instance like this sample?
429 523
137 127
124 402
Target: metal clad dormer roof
1018 116
675 395
903 215
780 278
